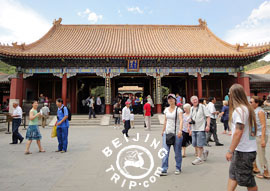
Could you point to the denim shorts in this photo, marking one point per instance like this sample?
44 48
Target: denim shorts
198 138
241 168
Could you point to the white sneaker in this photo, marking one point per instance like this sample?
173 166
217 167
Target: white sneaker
197 161
163 173
205 155
177 172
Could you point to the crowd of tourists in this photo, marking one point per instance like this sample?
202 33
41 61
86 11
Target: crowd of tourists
195 125
127 113
184 125
33 132
94 105
245 121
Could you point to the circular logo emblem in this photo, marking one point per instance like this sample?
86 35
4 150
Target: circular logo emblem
135 162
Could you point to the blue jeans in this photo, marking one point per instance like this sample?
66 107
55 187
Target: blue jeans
177 150
62 136
15 130
127 127
91 111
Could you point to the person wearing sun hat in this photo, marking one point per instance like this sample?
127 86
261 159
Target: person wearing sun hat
126 118
173 124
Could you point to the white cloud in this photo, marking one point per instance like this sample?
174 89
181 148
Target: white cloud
135 10
119 13
20 24
91 16
255 29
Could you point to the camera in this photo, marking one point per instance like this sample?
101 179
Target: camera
192 122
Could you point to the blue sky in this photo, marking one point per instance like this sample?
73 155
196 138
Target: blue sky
231 20
221 15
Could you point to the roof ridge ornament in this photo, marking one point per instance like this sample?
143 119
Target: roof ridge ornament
245 45
16 45
57 22
202 23
238 46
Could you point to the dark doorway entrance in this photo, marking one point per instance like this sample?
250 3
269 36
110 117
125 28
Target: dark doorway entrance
173 84
90 86
132 84
176 84
142 81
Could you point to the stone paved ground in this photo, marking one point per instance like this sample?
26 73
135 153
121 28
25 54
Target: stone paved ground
83 166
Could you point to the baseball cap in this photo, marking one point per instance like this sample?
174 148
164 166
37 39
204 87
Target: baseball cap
172 96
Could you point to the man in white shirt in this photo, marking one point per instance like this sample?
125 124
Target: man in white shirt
16 122
126 118
199 117
98 103
45 111
184 100
213 124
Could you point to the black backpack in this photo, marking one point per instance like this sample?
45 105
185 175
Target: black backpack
69 113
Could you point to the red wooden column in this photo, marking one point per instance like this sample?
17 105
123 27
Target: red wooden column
16 91
199 85
238 77
64 88
243 79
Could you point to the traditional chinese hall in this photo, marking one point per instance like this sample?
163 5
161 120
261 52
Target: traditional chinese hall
71 60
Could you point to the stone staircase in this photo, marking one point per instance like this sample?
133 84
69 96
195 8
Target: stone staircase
82 120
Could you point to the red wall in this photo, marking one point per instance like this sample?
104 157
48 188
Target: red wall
30 84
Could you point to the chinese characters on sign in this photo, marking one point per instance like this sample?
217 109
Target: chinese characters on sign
133 65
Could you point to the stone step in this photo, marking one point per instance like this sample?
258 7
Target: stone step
86 122
83 120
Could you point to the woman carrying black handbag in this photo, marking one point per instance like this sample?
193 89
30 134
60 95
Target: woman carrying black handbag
172 135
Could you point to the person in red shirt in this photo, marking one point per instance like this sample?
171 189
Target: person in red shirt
147 115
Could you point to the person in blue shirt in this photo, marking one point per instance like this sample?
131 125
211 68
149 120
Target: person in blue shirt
227 97
62 126
225 117
178 99
137 105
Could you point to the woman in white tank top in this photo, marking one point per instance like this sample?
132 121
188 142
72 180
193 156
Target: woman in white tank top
261 137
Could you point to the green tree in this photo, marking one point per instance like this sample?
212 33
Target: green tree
165 90
7 69
98 91
256 65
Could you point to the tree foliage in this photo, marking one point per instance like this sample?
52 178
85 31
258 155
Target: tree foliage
7 69
256 65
